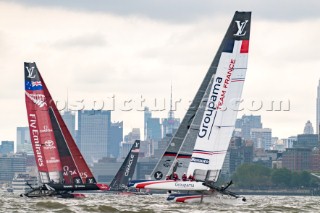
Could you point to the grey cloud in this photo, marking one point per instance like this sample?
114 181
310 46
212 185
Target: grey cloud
188 10
91 40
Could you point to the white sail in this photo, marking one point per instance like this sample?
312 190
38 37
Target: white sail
221 111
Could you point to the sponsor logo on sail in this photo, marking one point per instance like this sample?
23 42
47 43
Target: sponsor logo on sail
208 116
67 171
226 83
200 160
49 144
37 99
31 73
35 139
241 26
53 161
129 165
45 129
216 103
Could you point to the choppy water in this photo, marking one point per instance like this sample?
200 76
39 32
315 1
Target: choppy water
156 203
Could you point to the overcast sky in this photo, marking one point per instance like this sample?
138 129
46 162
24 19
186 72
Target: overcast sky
97 49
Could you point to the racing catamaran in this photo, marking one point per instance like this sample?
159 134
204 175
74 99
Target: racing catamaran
62 168
125 172
221 102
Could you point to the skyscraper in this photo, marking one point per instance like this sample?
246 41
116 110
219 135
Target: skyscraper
147 115
92 136
262 138
24 141
152 127
318 109
70 120
115 139
308 129
170 124
248 122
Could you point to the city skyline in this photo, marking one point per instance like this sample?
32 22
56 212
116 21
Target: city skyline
111 50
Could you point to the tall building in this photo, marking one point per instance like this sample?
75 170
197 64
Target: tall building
308 129
115 138
262 138
170 124
70 120
92 136
318 109
7 147
152 127
147 115
24 141
248 122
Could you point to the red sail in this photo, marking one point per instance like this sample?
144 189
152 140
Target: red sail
42 137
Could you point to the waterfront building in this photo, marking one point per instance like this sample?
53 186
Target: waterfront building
296 159
24 140
10 165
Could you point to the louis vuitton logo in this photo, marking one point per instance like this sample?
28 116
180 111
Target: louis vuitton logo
31 73
241 26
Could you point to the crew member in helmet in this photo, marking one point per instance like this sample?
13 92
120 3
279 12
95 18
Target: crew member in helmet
184 177
191 178
175 176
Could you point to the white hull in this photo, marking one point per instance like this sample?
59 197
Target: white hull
172 185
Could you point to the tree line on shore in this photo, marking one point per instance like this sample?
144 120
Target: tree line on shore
253 176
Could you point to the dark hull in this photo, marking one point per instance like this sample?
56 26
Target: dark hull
75 187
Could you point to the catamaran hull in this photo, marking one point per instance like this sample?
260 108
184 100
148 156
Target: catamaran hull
203 198
76 187
169 185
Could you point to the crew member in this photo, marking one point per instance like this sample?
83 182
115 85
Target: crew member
184 177
191 178
175 176
168 177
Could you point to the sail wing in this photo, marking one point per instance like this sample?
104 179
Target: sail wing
42 137
125 173
222 106
72 166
